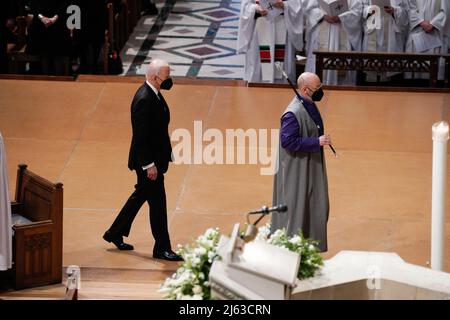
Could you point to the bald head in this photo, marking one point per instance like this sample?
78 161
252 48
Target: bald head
308 82
157 71
308 79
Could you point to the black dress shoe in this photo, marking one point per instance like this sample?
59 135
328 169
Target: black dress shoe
167 255
123 246
118 242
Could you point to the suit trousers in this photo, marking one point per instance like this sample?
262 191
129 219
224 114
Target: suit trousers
154 193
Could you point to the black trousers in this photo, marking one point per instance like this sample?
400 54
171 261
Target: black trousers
154 193
89 54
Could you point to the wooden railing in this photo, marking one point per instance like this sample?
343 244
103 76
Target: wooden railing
119 27
382 62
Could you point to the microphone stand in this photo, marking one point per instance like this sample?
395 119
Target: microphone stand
278 66
250 232
257 220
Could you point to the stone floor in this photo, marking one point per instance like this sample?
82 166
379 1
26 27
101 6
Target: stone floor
197 37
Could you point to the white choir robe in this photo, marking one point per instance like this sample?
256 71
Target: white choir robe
321 35
446 44
249 41
391 37
5 213
435 12
293 18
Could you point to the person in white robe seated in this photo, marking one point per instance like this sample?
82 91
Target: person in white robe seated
342 32
426 22
385 30
269 31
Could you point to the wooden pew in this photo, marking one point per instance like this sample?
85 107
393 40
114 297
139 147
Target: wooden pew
134 13
115 37
109 35
17 56
37 242
124 23
120 37
447 70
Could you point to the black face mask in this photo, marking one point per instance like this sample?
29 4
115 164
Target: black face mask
166 84
317 95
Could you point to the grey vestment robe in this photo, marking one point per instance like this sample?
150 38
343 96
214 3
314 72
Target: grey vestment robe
301 183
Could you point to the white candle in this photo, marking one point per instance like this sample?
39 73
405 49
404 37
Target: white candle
440 131
440 137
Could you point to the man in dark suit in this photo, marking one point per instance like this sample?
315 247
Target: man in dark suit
91 35
49 36
150 154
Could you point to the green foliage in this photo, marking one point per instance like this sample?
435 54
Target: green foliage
310 259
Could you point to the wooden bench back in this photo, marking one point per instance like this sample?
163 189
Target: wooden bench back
40 199
37 245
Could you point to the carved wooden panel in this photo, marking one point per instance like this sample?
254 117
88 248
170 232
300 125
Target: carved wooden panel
380 62
38 255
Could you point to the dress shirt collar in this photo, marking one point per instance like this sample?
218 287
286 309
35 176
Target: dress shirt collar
152 87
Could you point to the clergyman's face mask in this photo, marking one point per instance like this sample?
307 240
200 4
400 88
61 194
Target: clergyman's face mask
317 94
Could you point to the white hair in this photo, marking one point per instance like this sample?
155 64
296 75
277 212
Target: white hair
154 67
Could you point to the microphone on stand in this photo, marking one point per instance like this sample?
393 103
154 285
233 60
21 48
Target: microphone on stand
251 231
266 210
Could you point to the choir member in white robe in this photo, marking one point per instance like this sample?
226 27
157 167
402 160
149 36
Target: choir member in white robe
426 16
327 33
249 42
385 30
5 213
293 18
446 45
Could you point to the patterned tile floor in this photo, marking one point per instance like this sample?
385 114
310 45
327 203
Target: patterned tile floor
197 37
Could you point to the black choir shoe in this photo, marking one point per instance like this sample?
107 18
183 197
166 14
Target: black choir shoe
167 255
117 241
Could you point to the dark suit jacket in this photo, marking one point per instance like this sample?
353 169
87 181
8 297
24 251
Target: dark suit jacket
93 20
55 39
150 119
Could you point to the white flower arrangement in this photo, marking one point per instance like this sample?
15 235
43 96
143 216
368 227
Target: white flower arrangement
191 280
